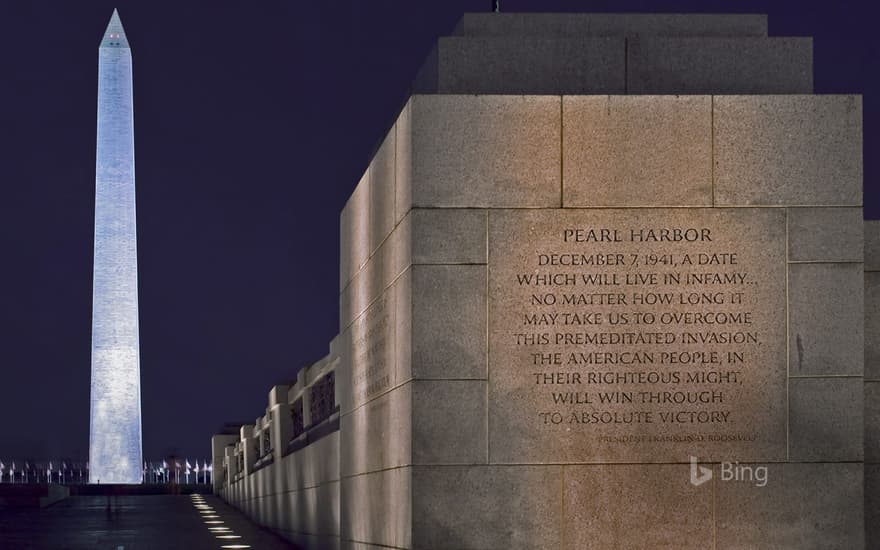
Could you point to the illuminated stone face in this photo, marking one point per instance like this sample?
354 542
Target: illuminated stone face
115 420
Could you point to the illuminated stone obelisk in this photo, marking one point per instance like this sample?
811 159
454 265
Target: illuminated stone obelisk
115 421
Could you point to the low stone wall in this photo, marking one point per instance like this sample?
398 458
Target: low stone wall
283 471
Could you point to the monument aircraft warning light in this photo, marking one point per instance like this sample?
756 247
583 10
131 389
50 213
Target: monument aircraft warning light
115 418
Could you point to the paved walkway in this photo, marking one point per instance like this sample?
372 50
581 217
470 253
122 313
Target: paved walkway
133 523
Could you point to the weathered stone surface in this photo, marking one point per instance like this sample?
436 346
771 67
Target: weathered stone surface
719 65
354 232
378 273
872 245
449 321
376 508
872 422
448 236
470 507
484 151
531 65
382 189
346 312
378 434
611 24
825 419
368 365
403 162
804 506
825 234
563 418
403 325
794 150
653 516
872 505
313 465
637 151
825 319
449 422
314 510
364 287
872 325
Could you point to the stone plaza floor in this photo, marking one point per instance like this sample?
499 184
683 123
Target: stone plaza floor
138 522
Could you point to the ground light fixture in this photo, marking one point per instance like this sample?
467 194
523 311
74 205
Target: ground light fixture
215 524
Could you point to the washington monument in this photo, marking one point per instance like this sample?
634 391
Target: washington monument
115 453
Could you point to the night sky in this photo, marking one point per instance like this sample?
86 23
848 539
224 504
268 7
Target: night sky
253 123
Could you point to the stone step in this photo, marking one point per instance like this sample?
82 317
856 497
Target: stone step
736 66
610 24
615 65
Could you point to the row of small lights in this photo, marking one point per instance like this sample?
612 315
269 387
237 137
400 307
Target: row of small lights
215 524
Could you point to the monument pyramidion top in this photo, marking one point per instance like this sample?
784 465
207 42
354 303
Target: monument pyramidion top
114 35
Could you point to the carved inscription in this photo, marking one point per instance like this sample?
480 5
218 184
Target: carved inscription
371 349
637 334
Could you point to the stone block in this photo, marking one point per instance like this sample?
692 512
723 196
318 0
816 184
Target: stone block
872 325
313 465
470 507
376 508
872 422
635 506
826 319
448 236
872 245
449 336
314 510
278 395
803 506
826 419
347 306
531 65
485 151
378 434
449 424
872 505
370 282
753 65
368 366
637 151
403 325
560 335
354 232
825 234
382 189
611 24
794 150
378 273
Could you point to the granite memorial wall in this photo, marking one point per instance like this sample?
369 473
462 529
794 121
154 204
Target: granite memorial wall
603 285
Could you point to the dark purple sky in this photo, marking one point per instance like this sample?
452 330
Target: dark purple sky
253 123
